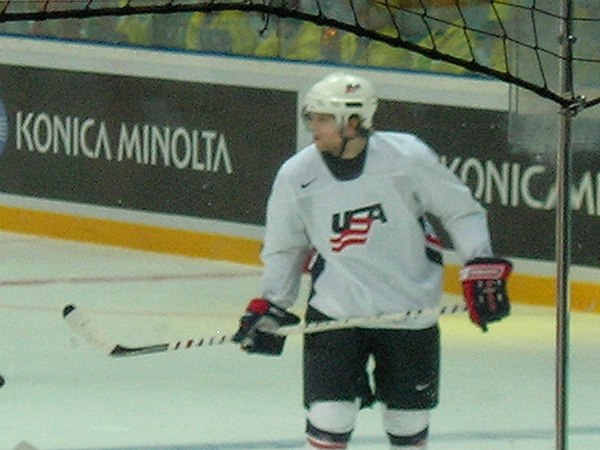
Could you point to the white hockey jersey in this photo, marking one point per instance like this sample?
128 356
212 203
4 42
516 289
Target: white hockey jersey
372 247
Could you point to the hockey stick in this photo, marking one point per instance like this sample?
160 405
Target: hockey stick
81 324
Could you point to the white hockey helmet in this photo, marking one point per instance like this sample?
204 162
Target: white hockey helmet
343 95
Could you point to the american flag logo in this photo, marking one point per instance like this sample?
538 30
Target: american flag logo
352 88
355 234
352 227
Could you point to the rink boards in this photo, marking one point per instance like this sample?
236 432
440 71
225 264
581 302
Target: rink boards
533 282
175 152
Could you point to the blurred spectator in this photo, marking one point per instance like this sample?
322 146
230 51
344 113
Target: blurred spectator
470 32
275 41
297 40
224 32
305 41
169 30
378 18
136 30
101 29
63 28
292 39
155 30
476 35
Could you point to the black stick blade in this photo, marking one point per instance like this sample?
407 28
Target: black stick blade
121 350
68 309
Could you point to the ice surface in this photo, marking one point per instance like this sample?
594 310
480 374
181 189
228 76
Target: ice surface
60 393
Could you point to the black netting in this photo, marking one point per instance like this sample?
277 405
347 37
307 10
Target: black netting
517 41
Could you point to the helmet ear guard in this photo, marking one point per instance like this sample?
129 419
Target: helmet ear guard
343 96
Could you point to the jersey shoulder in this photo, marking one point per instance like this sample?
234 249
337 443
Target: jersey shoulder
396 149
303 167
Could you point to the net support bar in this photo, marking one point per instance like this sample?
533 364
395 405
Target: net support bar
563 224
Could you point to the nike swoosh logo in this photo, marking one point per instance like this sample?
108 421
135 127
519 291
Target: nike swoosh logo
304 185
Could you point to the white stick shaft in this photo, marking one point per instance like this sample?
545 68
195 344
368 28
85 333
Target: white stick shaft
82 325
317 327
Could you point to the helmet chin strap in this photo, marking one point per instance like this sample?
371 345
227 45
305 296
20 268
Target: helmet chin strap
360 133
345 141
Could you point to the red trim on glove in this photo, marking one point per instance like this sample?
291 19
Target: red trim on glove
470 301
489 271
481 276
258 306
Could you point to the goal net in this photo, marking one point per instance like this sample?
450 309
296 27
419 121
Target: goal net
532 120
517 41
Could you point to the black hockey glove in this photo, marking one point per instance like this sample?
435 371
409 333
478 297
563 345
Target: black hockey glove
484 288
260 319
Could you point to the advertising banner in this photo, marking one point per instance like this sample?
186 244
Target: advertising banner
210 151
517 188
140 143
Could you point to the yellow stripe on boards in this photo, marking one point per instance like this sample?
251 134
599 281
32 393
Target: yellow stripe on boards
137 236
536 290
529 289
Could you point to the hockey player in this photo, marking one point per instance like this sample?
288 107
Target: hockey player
358 199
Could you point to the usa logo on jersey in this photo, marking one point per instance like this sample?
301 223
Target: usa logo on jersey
353 227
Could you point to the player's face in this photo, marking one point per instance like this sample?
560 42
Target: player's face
325 132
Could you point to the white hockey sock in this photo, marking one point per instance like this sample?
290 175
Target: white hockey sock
329 424
407 430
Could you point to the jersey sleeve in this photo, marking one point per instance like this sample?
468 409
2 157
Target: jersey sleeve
285 245
444 195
